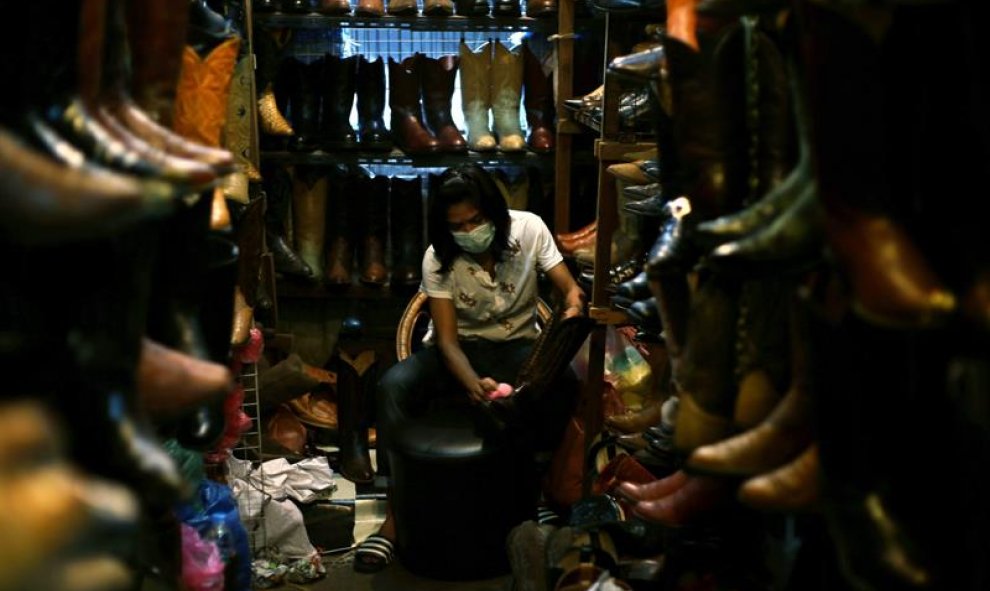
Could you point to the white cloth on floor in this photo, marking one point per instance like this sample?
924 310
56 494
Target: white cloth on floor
305 481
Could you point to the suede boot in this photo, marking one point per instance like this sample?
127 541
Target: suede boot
507 77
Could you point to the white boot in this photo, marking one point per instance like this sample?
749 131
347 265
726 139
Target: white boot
507 77
476 96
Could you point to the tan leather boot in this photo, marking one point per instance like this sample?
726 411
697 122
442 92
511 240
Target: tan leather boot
476 96
370 8
309 210
507 78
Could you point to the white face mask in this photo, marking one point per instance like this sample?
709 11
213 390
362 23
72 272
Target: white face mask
477 240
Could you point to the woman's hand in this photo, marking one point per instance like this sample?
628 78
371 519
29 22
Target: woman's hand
480 389
573 296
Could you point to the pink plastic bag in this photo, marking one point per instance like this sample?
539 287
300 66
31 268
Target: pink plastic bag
202 567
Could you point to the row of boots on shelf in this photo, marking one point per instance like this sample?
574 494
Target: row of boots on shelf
318 98
373 8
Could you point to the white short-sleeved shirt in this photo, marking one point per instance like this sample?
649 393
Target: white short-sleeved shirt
502 307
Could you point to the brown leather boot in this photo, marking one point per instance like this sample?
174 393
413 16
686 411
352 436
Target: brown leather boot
538 100
309 212
402 7
370 8
437 79
157 32
334 7
373 224
171 383
438 7
407 127
341 226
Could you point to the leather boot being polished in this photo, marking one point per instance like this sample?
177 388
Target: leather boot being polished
355 389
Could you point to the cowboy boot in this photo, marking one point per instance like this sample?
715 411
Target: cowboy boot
204 87
402 7
250 237
438 7
476 95
309 211
337 94
341 226
704 373
304 102
407 127
541 8
371 104
891 281
538 99
299 6
507 77
791 488
334 7
370 8
406 227
471 7
269 54
437 79
354 387
278 195
157 32
373 224
782 435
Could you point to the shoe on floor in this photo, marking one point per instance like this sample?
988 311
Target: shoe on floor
373 554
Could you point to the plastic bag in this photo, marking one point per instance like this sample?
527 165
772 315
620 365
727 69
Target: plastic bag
628 371
202 567
215 517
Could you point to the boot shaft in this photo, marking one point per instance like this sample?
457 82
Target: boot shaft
538 93
370 89
338 86
476 78
507 77
157 34
437 80
406 215
404 87
303 90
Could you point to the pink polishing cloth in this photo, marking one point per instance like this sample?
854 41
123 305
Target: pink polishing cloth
503 391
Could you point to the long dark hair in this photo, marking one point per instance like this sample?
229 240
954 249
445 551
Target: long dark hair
470 183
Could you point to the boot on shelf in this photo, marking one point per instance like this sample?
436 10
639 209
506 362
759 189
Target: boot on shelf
334 7
507 8
355 389
402 7
406 230
371 105
370 8
514 191
471 7
407 127
299 6
341 229
373 231
278 194
303 82
438 7
309 212
437 79
157 34
538 98
476 95
271 121
541 8
507 77
339 79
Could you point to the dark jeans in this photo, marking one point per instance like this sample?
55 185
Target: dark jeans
411 387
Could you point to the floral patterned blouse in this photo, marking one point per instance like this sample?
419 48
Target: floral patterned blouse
503 306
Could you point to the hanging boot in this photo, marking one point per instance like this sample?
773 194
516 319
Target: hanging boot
341 227
476 96
437 79
507 77
704 374
304 102
373 231
309 211
407 119
538 98
354 389
371 104
271 121
406 227
338 97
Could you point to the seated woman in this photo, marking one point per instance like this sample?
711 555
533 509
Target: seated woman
480 273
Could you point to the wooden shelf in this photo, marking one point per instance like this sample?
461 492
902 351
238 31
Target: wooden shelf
611 150
411 23
398 158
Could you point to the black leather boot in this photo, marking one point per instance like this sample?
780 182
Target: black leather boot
373 233
471 7
371 104
278 194
303 82
342 229
507 8
355 387
406 211
339 80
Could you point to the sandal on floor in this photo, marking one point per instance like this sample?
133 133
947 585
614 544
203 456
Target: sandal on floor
373 554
